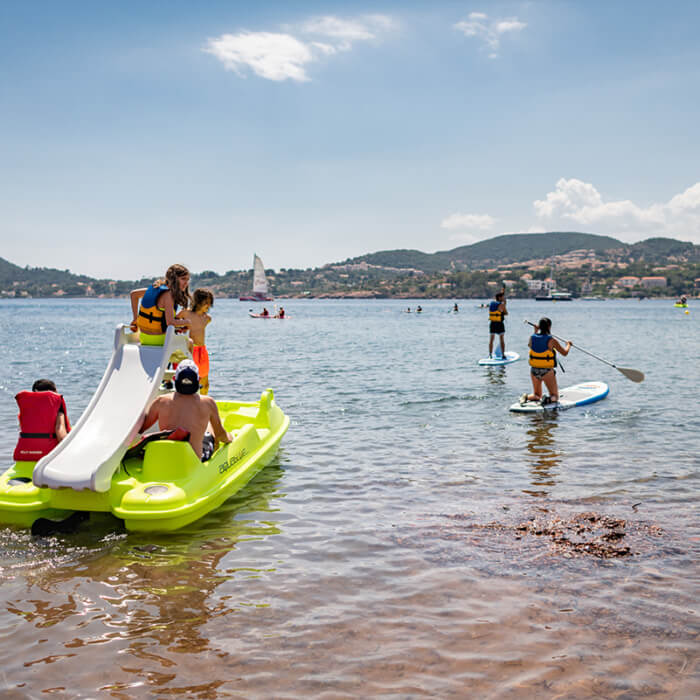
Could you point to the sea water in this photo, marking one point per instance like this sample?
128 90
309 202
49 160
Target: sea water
386 551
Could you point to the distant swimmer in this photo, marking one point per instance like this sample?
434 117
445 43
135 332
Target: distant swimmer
455 308
497 314
419 310
543 360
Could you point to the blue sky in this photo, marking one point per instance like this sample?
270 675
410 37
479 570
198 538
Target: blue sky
137 134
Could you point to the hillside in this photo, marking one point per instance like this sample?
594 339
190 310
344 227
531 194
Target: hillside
45 281
467 270
501 250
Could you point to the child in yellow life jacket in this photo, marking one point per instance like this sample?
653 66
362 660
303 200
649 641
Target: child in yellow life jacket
497 313
154 307
543 360
202 301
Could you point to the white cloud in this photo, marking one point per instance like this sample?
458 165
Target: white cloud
467 221
269 55
283 56
580 202
488 31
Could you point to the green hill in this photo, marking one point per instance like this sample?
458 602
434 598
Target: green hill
663 250
509 248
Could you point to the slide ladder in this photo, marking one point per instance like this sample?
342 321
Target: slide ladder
90 454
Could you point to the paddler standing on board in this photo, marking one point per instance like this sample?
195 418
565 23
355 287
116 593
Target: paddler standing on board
497 314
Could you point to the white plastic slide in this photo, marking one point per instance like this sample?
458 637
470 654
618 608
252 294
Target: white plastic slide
92 451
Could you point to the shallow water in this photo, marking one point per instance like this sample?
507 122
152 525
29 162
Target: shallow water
378 555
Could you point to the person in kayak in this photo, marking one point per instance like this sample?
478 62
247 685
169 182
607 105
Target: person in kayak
265 312
280 313
154 307
186 409
43 421
497 313
543 360
202 301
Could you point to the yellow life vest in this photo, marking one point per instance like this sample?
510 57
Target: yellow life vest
495 314
540 354
151 318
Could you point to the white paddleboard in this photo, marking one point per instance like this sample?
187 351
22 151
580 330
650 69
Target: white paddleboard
495 361
576 395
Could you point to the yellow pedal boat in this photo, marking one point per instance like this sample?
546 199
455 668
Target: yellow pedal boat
166 488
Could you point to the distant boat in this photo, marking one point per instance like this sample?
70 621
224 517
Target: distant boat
555 296
259 283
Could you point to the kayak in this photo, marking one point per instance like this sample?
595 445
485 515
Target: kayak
497 361
252 315
681 306
576 395
164 486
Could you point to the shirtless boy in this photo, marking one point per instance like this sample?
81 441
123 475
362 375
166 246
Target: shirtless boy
202 301
186 409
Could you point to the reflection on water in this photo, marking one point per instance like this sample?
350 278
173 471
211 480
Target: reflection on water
142 592
542 455
496 374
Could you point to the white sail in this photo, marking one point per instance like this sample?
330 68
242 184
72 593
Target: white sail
259 279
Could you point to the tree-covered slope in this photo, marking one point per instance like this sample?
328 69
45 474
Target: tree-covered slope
508 248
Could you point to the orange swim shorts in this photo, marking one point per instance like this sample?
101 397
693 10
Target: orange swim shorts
201 358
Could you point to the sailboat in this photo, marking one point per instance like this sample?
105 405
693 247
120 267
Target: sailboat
259 283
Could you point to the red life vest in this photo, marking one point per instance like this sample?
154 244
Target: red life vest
37 423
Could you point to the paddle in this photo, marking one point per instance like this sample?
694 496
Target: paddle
633 374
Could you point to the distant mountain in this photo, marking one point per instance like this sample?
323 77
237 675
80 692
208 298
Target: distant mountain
521 247
45 281
509 248
386 268
662 250
9 273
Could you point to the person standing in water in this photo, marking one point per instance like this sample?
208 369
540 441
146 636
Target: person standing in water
543 360
497 314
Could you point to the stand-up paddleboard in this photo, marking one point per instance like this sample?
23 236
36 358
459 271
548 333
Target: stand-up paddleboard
577 395
497 361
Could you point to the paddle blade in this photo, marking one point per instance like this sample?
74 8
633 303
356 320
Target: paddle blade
634 374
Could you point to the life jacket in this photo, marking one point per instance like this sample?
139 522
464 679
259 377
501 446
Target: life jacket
152 319
494 313
540 355
37 423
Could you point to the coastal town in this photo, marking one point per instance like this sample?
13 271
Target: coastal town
578 273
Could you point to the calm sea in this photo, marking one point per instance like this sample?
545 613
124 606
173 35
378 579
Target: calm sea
386 552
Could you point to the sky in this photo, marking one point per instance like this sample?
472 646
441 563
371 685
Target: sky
138 134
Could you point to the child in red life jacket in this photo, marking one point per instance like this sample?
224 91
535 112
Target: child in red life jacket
43 421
